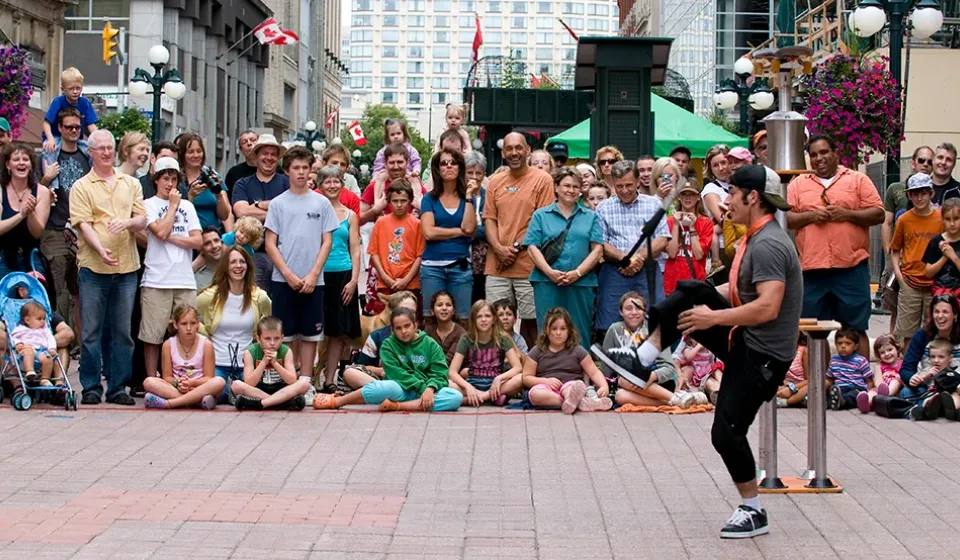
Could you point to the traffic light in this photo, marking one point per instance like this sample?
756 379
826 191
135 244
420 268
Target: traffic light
109 43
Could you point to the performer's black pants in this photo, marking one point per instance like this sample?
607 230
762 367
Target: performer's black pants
750 378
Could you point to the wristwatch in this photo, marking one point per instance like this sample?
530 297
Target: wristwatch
793 388
256 204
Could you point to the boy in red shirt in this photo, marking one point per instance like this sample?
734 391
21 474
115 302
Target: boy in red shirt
396 243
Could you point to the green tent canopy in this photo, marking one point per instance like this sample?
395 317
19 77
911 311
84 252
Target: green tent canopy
673 126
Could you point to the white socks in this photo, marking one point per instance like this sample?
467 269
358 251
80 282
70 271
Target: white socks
648 353
753 502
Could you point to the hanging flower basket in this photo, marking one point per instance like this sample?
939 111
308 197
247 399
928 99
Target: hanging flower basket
857 103
15 88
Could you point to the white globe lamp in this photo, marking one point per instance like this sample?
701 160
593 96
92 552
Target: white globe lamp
158 55
725 100
364 168
477 144
356 153
926 21
336 141
310 126
743 66
867 20
500 143
316 145
174 90
138 88
761 100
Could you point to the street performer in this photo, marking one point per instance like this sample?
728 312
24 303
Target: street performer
751 324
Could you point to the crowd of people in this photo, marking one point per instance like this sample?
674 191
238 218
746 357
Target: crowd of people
189 288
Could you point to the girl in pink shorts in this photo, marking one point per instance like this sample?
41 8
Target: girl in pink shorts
888 350
556 367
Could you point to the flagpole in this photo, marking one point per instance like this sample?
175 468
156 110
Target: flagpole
233 46
241 53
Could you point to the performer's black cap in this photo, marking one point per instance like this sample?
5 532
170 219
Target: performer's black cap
763 180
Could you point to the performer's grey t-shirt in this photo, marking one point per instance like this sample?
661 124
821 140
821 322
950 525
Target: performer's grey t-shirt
772 256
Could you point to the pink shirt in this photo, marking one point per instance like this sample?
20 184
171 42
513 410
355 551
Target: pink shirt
40 339
190 368
891 371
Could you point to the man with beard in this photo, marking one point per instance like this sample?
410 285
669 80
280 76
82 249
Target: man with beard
512 198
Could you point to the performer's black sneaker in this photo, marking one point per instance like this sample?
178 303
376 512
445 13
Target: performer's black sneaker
745 523
625 363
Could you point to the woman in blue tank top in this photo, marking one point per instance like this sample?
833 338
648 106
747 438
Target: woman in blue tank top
341 310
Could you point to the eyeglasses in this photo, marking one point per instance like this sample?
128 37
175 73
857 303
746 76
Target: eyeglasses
924 161
448 163
823 197
70 126
606 161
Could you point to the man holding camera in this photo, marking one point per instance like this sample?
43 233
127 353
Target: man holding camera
252 196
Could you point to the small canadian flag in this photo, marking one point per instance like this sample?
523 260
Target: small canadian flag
358 138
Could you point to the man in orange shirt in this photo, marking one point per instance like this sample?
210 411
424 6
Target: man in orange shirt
833 209
512 198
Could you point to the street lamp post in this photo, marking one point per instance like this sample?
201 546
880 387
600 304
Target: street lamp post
731 92
160 83
869 18
312 137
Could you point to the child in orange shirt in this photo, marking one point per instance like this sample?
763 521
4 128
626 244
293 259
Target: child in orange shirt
396 244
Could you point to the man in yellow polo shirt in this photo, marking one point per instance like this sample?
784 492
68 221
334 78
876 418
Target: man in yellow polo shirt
106 207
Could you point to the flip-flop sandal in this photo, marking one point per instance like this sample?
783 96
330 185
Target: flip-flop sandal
330 389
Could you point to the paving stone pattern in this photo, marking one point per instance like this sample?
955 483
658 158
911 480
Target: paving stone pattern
106 483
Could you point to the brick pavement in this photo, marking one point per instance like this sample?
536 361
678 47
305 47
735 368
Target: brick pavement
154 484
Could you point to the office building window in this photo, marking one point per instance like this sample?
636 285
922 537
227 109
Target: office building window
415 98
569 54
544 38
544 54
466 21
490 50
545 23
415 67
440 97
390 82
390 66
361 82
468 6
440 51
417 5
518 37
441 36
363 5
441 67
416 21
440 83
441 21
493 22
518 22
289 102
361 50
361 36
464 67
363 21
361 66
389 51
518 7
466 36
493 6
390 5
573 7
465 51
517 52
391 36
597 25
544 7
416 37
543 68
391 21
441 5
415 52
598 10
389 97
86 15
414 83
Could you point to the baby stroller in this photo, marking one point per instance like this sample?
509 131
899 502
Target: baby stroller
10 306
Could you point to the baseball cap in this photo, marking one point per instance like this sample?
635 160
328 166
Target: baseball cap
166 163
688 186
4 124
919 181
558 151
763 180
742 154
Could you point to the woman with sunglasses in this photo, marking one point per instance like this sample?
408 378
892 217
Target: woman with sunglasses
606 157
448 222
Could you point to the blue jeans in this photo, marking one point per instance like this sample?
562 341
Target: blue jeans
229 375
914 394
375 392
106 303
459 283
613 285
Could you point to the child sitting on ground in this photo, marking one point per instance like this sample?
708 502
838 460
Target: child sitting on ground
888 350
793 392
33 340
699 371
187 367
269 377
415 374
628 335
368 366
479 365
849 375
507 318
444 327
247 232
941 354
556 367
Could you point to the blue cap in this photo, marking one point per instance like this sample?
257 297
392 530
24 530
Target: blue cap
4 125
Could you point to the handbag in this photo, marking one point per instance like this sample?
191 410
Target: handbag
947 380
552 247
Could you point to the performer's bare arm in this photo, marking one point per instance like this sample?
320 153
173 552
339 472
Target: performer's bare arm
759 311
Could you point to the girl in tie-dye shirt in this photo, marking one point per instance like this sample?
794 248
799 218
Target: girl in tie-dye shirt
486 366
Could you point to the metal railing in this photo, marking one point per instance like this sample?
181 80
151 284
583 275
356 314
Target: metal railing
819 28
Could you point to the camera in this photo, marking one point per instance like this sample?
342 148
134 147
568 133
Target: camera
209 180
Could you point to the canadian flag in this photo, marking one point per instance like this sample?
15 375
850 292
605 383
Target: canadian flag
358 138
270 33
330 118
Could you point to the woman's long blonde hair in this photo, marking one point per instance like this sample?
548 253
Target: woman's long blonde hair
497 336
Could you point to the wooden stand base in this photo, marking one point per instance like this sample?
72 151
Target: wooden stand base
797 485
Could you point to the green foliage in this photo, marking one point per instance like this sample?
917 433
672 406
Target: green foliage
514 75
720 119
128 121
372 124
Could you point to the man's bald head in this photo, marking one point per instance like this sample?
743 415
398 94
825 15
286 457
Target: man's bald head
515 151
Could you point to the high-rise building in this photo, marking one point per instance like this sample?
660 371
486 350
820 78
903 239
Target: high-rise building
416 54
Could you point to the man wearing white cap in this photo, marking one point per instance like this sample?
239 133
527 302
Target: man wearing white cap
173 233
252 196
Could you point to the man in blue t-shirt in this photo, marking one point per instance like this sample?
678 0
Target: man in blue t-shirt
71 84
251 196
